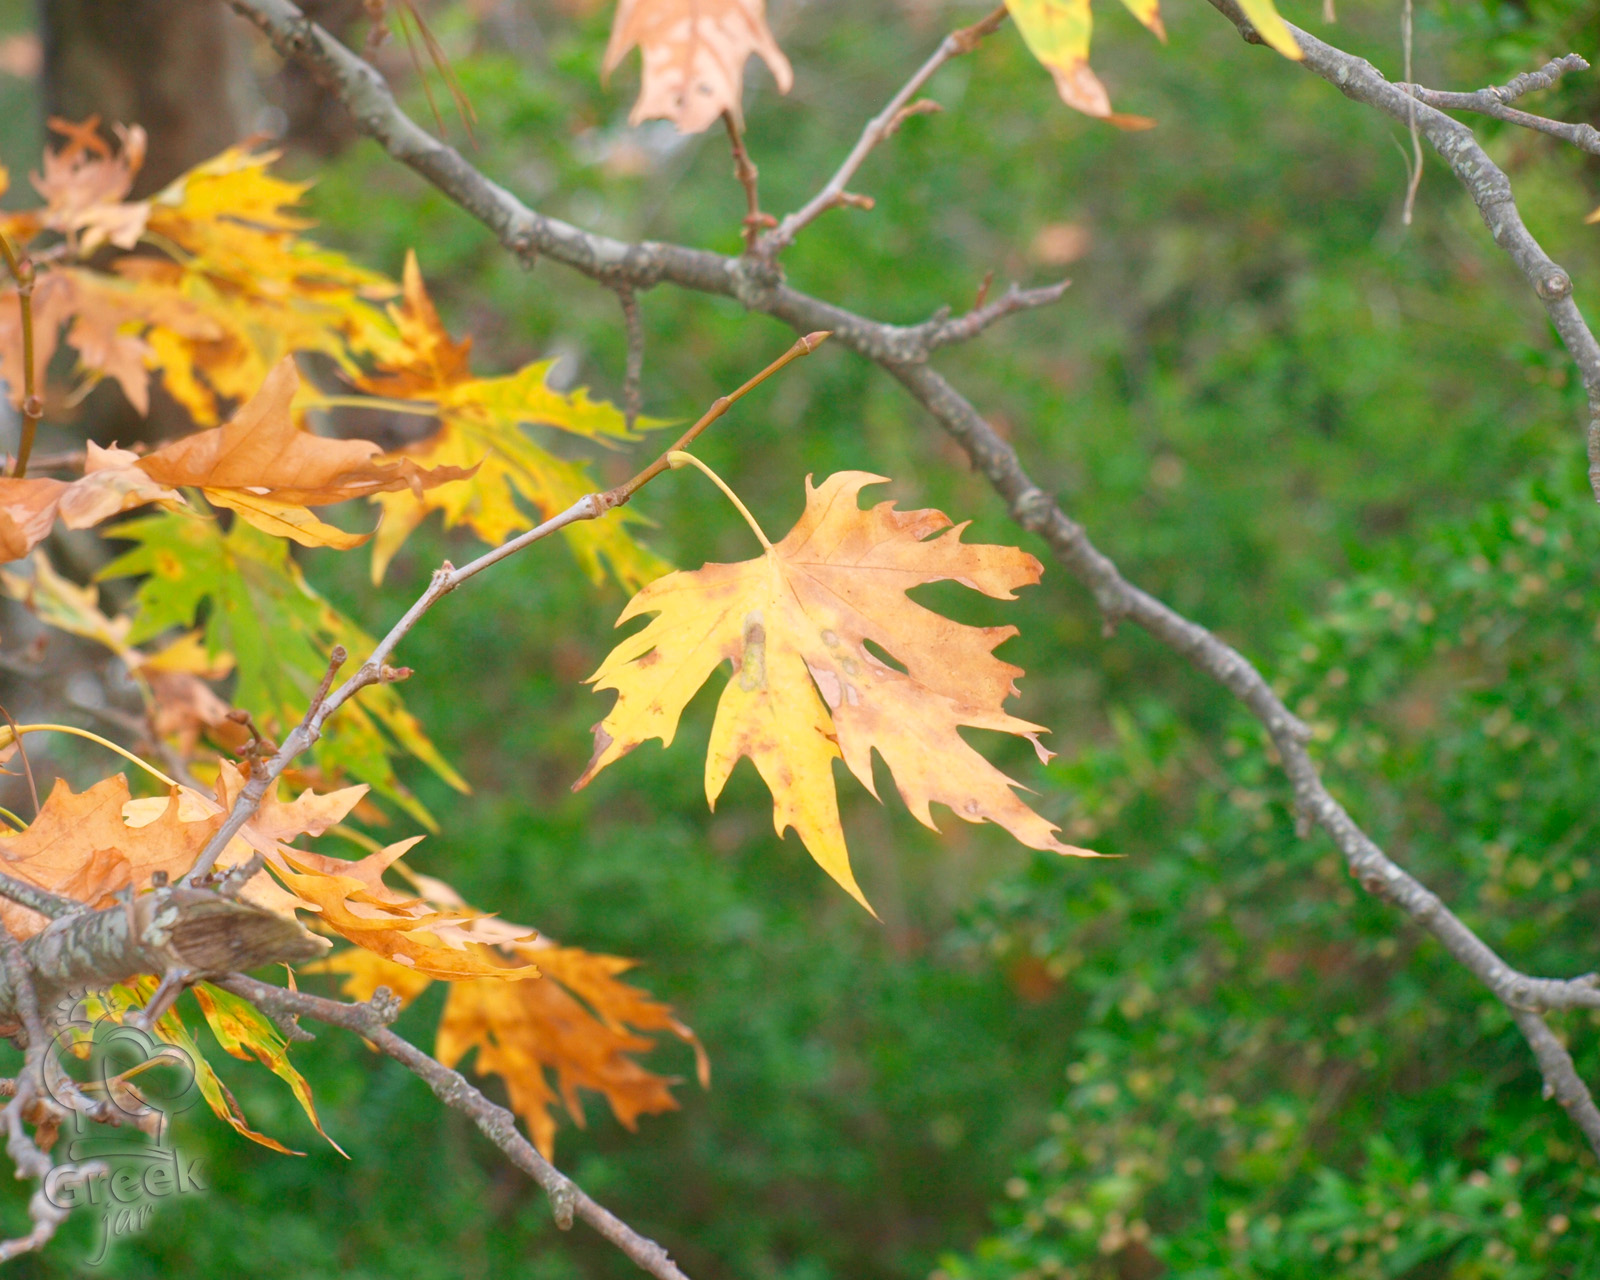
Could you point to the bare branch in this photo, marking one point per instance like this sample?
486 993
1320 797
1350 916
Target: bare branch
633 371
903 351
744 169
1492 102
28 1159
52 905
1545 77
567 1199
22 751
881 126
1485 182
22 271
942 331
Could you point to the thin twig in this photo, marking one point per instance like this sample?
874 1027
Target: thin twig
1495 102
943 330
744 169
1545 77
567 1199
633 371
22 752
1414 167
624 492
21 268
881 126
376 669
1485 182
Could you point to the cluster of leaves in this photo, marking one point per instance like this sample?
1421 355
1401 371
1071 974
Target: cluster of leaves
1267 1081
211 287
223 290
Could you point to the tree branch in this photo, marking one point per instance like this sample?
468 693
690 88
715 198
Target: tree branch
567 1199
903 352
881 126
1485 182
1495 102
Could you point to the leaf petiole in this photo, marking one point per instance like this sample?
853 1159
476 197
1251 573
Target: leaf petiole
677 458
8 736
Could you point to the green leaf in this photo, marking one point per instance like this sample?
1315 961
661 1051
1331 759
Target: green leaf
257 606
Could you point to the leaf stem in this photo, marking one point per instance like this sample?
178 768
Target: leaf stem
804 347
421 408
678 458
21 268
8 736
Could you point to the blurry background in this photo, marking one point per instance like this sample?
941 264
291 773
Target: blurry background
1349 446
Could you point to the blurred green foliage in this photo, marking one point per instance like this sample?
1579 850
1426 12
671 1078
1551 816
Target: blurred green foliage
1277 407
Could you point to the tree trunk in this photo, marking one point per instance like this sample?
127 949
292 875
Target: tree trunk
177 67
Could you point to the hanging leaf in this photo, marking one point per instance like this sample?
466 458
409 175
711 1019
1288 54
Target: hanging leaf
1058 32
245 1032
264 467
575 1021
352 901
806 690
249 1032
694 53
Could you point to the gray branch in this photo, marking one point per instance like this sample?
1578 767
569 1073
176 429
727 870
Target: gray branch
371 1020
1485 182
903 351
1495 102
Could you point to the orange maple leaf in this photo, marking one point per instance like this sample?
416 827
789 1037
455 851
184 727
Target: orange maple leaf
80 847
575 1020
694 53
84 184
110 485
351 899
266 468
806 689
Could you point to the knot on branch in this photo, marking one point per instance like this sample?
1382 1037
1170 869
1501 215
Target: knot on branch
1554 286
1032 509
563 1203
522 244
754 282
384 1006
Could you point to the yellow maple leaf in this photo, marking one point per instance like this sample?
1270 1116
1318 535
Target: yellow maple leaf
806 689
1058 33
481 424
264 290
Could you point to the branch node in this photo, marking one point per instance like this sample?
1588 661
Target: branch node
384 1006
1555 286
563 1202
